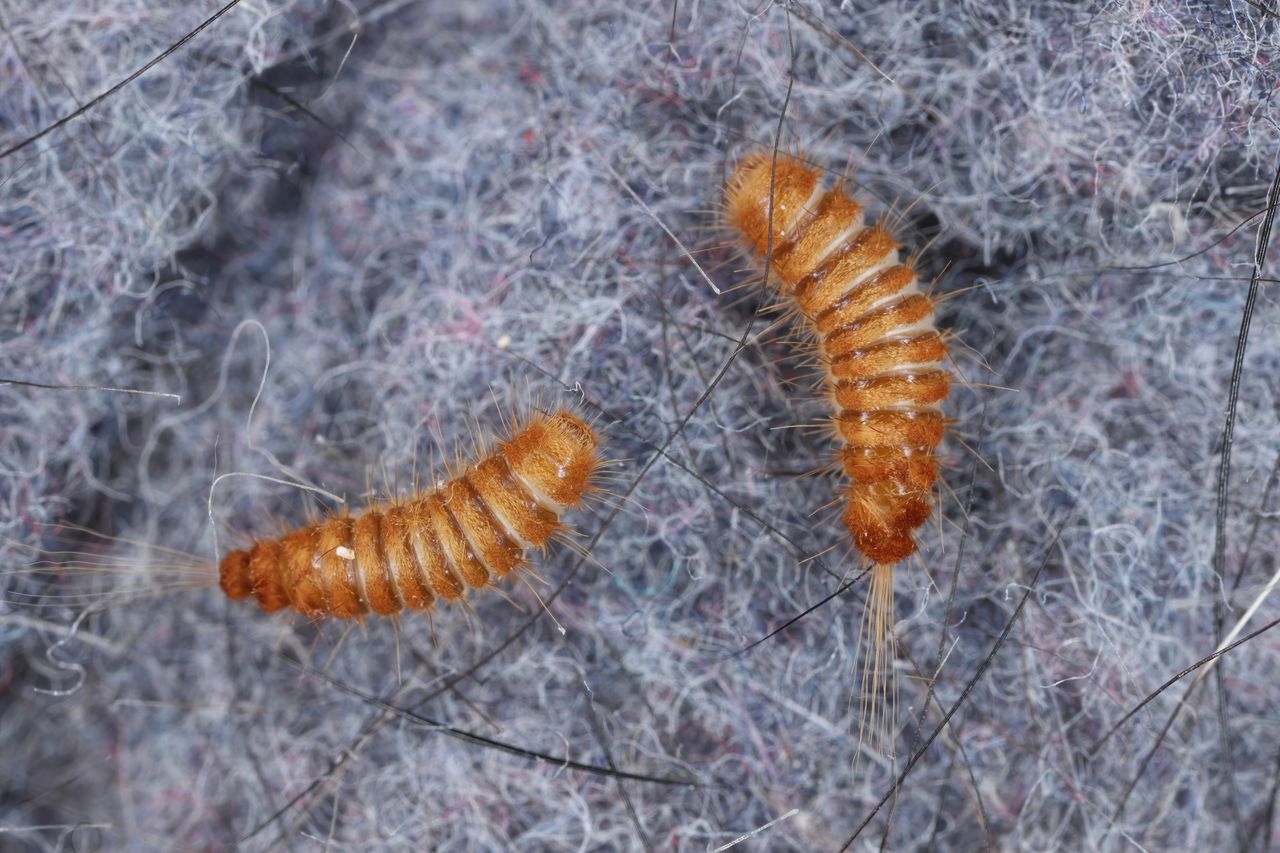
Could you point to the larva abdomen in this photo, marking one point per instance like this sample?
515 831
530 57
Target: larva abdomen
468 533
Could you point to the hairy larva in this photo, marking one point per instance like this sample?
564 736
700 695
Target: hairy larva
467 533
881 352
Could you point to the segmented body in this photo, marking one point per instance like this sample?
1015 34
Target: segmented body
466 533
875 335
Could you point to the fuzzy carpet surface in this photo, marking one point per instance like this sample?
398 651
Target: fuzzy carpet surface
348 235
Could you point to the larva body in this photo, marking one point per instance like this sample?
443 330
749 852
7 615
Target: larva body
468 532
875 335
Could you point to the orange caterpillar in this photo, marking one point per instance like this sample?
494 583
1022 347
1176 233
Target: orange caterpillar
879 345
468 532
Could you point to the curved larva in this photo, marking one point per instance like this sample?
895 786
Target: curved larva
882 353
434 546
875 332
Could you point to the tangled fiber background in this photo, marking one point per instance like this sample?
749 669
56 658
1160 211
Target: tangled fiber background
387 220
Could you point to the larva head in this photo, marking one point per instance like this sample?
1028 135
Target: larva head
233 575
746 197
556 456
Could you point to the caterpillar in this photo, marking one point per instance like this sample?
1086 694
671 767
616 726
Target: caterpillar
882 356
405 555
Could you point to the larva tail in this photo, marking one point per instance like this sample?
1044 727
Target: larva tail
86 570
878 697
